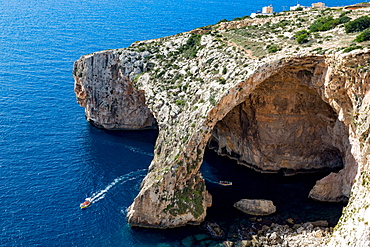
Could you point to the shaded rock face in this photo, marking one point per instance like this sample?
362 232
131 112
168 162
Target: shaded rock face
283 125
107 93
325 191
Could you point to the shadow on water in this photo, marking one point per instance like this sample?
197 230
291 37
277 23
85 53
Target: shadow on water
289 194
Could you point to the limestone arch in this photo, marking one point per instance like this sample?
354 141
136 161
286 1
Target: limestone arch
313 72
175 184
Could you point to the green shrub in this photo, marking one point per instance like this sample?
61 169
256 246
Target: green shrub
192 46
273 48
180 102
241 18
324 24
222 80
357 25
329 25
365 35
351 48
220 21
142 48
136 78
301 36
344 19
212 100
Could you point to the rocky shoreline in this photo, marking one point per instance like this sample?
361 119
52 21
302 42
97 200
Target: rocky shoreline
307 234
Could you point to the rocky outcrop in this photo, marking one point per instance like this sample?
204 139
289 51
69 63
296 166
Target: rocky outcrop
300 109
307 234
107 93
325 191
258 207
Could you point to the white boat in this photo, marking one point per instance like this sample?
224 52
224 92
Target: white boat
226 183
85 204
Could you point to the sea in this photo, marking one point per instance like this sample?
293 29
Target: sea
51 159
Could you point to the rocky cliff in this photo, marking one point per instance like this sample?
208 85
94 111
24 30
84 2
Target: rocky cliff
103 85
250 91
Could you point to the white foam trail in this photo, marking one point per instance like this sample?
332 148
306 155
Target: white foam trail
212 181
131 148
136 150
97 196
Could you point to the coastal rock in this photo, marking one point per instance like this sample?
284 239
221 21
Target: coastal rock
302 235
110 100
258 207
324 190
302 108
320 223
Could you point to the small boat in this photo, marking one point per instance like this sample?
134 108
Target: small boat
225 183
85 204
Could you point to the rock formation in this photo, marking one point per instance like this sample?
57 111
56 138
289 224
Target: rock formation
107 93
284 122
258 207
295 108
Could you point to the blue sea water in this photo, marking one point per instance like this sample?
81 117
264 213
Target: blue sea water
50 158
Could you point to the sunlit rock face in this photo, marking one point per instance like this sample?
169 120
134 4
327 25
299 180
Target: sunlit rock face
283 125
103 85
296 110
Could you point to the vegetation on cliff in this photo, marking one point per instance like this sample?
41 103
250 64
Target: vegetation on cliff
192 80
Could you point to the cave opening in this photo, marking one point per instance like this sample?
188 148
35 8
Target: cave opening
275 145
282 126
288 193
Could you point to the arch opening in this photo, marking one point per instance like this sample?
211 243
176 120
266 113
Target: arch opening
283 126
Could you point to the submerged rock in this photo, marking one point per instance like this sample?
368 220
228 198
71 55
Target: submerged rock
258 207
215 230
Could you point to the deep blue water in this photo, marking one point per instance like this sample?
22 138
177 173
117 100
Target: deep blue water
50 158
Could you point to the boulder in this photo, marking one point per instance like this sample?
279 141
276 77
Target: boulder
258 207
320 223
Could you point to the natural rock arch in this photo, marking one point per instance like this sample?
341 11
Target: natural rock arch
283 126
173 193
182 176
304 103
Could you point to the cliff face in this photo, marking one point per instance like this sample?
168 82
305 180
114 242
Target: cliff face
103 85
300 109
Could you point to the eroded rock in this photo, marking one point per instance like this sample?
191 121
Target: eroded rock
302 235
103 85
282 126
258 207
324 190
314 115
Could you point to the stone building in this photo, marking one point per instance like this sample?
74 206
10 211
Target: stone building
319 5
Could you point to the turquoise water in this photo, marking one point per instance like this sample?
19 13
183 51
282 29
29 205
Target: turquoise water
50 158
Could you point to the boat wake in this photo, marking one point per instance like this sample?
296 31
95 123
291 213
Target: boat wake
138 150
97 196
